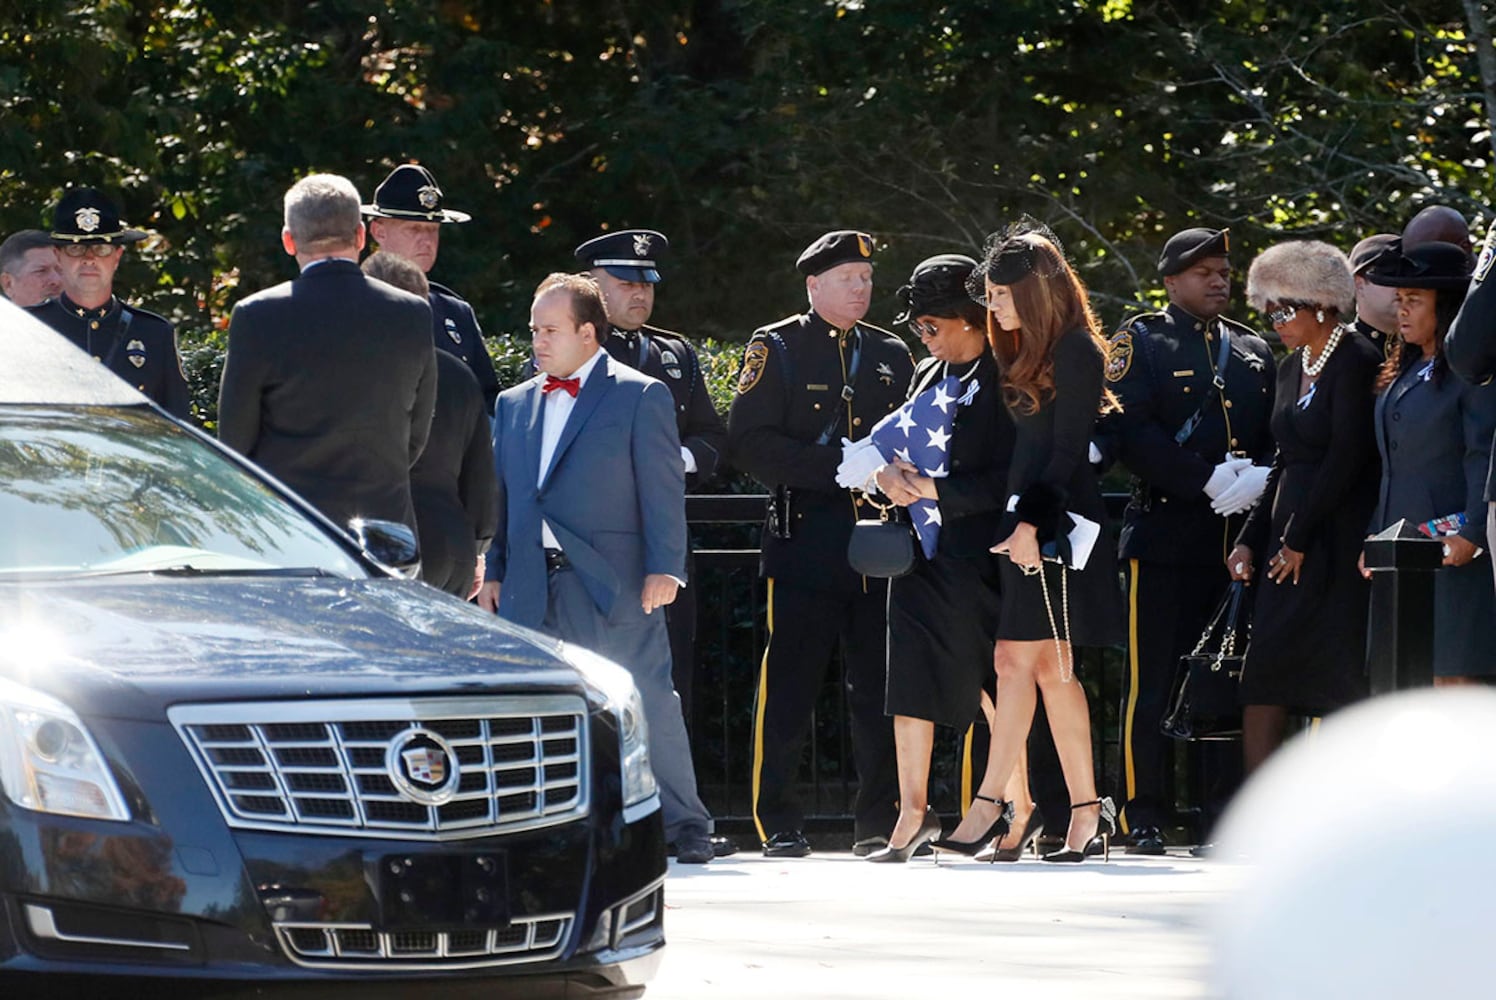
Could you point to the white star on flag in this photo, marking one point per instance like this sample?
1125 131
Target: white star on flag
939 437
906 419
894 436
938 472
932 515
902 454
941 400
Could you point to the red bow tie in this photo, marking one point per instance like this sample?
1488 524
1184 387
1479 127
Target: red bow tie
571 385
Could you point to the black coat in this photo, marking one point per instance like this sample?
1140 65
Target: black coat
1161 366
670 358
329 383
789 391
1470 344
454 329
452 483
138 346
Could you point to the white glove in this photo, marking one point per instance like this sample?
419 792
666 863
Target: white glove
861 460
1243 493
1093 454
1224 475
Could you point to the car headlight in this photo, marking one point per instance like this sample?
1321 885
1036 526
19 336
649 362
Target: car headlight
641 795
48 760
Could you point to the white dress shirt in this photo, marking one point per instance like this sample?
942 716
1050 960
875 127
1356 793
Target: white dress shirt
558 406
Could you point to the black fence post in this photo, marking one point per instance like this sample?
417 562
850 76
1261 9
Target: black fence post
1400 652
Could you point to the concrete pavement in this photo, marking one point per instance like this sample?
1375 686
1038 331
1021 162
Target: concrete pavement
833 926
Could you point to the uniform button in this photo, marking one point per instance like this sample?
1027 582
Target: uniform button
856 421
1186 390
1397 416
1228 404
1163 499
1199 326
1394 445
93 324
1233 442
955 463
97 358
682 409
817 406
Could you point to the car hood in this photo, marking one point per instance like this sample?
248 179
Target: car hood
129 647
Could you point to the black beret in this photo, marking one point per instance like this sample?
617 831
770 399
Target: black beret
1369 249
1190 246
85 215
628 255
937 287
411 192
1426 265
844 246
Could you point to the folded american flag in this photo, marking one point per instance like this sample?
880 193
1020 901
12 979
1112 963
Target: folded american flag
919 432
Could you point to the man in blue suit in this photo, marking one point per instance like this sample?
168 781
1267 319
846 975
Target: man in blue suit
591 537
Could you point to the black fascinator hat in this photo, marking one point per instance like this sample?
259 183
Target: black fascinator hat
1426 265
1010 256
937 287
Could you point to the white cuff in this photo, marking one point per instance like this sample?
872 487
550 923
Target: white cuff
690 460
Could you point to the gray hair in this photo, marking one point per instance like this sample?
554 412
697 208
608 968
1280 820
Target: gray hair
322 212
392 269
18 244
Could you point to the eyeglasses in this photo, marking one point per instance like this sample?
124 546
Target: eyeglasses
1282 314
89 249
923 330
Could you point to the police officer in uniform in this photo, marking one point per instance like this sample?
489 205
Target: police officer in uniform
805 383
1197 392
138 346
1376 307
625 266
406 219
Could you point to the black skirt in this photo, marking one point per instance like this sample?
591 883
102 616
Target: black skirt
941 622
1096 614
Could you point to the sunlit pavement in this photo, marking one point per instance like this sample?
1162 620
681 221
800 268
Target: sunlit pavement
833 926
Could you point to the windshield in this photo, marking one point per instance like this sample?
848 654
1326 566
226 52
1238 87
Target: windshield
106 490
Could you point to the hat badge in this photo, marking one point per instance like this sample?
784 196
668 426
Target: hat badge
864 245
429 197
641 245
87 219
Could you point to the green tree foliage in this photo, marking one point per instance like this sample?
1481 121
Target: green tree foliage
741 129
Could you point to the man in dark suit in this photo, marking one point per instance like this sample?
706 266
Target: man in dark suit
591 538
29 274
406 219
138 346
1197 392
625 266
807 382
330 379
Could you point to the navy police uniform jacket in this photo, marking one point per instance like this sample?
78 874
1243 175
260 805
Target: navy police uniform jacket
454 329
138 346
789 389
670 358
1161 365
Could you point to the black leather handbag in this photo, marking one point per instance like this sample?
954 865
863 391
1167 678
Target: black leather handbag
883 547
1203 703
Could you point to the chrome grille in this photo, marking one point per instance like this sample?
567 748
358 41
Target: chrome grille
525 939
331 766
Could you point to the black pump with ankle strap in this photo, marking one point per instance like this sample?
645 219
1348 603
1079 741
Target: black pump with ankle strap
997 829
1108 819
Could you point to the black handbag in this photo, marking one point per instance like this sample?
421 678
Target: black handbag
1203 702
882 547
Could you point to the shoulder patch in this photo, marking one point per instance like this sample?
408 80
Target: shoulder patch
1487 254
1118 355
753 365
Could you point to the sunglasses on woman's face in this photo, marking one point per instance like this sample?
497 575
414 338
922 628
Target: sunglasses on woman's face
923 330
1282 314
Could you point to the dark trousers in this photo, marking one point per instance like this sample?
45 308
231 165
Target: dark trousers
1168 608
805 628
680 619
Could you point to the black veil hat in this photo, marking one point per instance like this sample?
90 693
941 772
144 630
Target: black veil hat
1009 256
937 287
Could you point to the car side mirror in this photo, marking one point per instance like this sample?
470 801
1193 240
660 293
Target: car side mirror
389 543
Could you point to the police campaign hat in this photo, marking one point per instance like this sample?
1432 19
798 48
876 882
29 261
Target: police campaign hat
1426 265
937 287
411 192
628 255
1190 246
1369 249
843 246
85 215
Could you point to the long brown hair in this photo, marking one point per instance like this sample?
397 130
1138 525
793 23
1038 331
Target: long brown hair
1051 301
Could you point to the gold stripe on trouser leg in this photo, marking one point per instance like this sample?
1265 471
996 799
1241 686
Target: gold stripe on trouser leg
758 715
966 768
1128 765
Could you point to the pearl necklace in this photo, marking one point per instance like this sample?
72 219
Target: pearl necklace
1313 368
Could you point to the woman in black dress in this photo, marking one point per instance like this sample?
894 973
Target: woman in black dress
1050 352
1308 649
942 617
1434 433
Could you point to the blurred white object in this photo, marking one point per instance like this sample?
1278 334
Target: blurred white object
1371 872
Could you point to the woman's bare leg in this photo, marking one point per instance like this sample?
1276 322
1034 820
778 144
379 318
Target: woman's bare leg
1070 725
1011 718
914 741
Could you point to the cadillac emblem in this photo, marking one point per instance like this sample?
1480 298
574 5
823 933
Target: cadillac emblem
422 766
87 219
429 197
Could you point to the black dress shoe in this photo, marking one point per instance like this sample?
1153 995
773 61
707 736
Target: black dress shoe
693 850
1146 840
1202 850
868 845
787 844
722 846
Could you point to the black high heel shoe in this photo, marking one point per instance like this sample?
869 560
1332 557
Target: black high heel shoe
971 848
1108 818
929 829
1031 833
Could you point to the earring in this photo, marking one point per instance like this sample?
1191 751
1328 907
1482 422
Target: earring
1319 315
